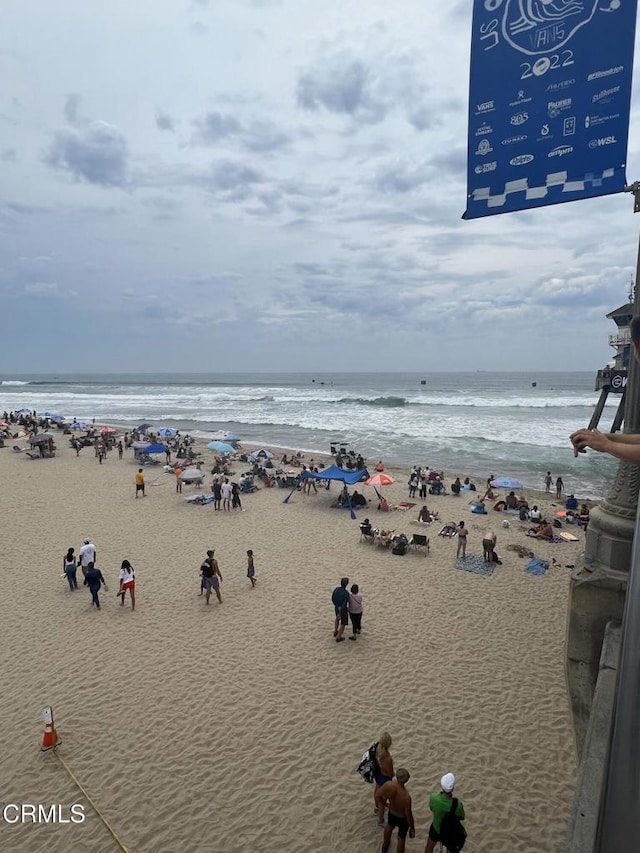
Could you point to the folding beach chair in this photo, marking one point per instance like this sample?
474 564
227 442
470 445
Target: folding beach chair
419 542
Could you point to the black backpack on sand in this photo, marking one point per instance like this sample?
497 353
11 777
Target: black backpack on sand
452 833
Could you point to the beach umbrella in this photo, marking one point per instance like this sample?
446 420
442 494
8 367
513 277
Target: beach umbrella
51 416
262 453
79 425
143 427
141 445
24 411
380 480
221 447
229 436
191 474
156 448
108 430
506 483
167 432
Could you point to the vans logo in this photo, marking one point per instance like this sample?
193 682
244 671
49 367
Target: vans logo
521 159
485 107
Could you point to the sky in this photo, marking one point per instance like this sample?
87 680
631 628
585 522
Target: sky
264 185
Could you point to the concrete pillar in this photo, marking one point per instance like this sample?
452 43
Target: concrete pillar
598 585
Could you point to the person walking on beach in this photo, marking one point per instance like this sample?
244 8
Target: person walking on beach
488 544
559 488
441 804
400 817
94 580
127 582
462 541
547 482
382 771
211 576
340 599
87 554
140 482
251 569
70 568
355 611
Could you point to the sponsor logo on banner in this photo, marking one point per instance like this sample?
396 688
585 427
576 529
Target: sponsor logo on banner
569 126
512 140
560 151
521 99
605 95
609 72
521 159
539 26
484 130
484 147
603 140
592 121
485 107
558 87
486 167
519 118
554 108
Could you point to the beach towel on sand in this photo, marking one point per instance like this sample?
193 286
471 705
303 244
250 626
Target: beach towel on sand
476 564
537 566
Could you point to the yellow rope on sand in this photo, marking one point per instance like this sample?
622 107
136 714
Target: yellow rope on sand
93 805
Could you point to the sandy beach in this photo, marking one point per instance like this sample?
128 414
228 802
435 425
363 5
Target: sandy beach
238 726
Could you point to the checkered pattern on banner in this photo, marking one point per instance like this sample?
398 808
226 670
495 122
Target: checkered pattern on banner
557 180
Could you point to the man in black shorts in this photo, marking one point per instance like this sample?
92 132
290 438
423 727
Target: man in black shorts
400 817
340 599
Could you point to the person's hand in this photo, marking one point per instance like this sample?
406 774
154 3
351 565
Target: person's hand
593 438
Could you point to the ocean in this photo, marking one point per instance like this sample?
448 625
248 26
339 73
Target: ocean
471 424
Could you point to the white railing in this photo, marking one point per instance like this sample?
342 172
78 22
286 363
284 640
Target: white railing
620 339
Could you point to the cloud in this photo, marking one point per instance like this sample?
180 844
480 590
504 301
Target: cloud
165 122
367 84
96 153
9 155
71 107
42 288
213 127
256 136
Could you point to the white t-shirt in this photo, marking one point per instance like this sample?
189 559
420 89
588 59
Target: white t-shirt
127 575
87 554
226 491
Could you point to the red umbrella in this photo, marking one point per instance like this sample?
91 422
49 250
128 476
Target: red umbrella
108 430
379 480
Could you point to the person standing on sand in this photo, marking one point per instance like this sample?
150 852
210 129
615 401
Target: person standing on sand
559 488
140 482
226 495
400 817
87 554
340 599
120 450
440 805
355 611
382 771
127 582
251 569
70 567
217 493
462 541
547 482
211 576
488 544
94 580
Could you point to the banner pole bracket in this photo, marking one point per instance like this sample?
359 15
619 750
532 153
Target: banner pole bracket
635 189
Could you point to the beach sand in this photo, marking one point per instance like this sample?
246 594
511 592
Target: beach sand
238 726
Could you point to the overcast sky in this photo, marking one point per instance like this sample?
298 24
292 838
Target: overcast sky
211 185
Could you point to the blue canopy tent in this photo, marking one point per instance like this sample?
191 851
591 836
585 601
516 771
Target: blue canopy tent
349 478
156 448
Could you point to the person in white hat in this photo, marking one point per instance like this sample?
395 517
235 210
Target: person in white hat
440 805
86 555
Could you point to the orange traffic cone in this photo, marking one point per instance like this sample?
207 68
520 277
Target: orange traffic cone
50 736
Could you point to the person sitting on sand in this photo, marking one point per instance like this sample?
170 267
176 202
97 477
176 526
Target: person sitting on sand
357 499
380 467
511 500
544 531
456 486
523 503
383 505
535 514
425 516
366 528
449 530
571 502
489 495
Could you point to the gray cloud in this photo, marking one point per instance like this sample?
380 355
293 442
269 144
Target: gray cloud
259 136
9 155
165 122
97 153
71 107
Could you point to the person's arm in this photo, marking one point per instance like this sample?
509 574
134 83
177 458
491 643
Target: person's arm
623 446
382 795
409 816
460 810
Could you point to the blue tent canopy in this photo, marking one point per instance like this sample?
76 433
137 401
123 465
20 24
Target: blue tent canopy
335 473
349 478
156 448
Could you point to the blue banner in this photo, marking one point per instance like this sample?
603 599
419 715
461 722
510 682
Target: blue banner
549 100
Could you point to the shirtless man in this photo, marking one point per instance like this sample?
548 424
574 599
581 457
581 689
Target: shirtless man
396 796
383 771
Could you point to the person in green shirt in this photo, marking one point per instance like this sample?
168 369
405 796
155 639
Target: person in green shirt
440 804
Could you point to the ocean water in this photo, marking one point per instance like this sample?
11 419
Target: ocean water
471 424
